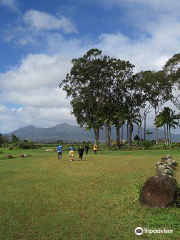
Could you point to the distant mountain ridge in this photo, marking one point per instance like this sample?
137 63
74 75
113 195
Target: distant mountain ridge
70 133
63 132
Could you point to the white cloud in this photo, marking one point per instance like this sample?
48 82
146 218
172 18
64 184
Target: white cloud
44 21
159 5
35 28
35 71
33 84
148 51
12 4
44 97
13 118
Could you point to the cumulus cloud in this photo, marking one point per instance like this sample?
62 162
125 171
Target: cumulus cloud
36 26
45 21
148 51
35 71
159 5
33 84
13 118
11 4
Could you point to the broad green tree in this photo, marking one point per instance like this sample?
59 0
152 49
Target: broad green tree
122 73
84 85
172 74
157 90
134 102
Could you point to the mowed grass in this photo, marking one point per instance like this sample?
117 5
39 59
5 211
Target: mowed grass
93 199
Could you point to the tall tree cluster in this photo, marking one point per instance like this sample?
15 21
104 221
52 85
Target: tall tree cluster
106 92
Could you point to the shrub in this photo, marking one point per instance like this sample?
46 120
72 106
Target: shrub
147 144
137 188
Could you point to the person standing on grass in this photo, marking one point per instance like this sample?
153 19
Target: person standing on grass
81 151
95 148
71 152
59 150
87 148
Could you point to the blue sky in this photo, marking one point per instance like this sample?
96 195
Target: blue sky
38 39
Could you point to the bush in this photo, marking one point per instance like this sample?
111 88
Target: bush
25 145
147 144
176 144
137 188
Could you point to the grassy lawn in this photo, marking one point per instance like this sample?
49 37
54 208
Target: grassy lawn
43 198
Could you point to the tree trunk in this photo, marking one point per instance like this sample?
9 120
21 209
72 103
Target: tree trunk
139 127
145 127
169 134
165 135
130 135
118 136
157 135
96 133
108 135
127 131
122 133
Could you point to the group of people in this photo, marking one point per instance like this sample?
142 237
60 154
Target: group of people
81 149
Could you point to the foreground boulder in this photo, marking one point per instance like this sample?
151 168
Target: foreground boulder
159 191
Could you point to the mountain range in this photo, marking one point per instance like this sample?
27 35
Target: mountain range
70 133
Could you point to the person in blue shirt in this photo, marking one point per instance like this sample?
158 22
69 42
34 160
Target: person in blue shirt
59 150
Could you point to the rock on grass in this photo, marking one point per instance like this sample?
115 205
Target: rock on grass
159 191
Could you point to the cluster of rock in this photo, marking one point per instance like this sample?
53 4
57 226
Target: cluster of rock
161 190
166 166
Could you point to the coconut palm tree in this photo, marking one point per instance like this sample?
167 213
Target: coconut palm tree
168 119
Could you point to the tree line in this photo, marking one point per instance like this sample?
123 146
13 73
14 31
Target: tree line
106 92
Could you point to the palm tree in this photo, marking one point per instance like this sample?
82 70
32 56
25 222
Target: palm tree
148 133
159 122
132 119
168 119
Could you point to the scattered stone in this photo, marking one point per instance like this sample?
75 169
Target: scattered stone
50 150
159 191
7 156
24 155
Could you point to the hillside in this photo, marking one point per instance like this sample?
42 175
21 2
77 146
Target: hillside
72 133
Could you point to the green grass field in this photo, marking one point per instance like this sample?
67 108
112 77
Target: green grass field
43 198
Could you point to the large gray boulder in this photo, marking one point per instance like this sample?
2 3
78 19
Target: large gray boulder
159 191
